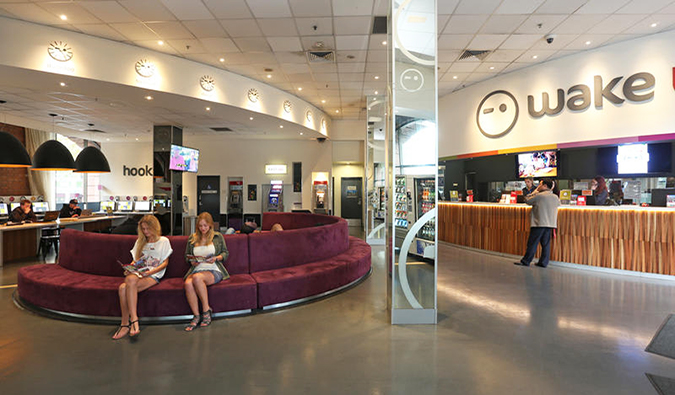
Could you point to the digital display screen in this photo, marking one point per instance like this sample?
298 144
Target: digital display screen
143 206
124 206
633 159
184 159
3 209
106 205
13 206
538 164
40 207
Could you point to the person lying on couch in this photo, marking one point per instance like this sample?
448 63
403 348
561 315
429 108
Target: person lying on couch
205 252
150 257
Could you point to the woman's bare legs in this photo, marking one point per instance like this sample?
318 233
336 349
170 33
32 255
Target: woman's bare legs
134 285
201 280
191 295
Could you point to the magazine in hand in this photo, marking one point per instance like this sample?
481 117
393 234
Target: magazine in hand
138 269
198 259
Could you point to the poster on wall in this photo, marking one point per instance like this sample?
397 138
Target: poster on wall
252 192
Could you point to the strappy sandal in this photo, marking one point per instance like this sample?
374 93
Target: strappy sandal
193 324
206 318
131 324
117 332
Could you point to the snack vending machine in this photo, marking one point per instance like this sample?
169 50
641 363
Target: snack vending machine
275 199
402 209
320 197
425 201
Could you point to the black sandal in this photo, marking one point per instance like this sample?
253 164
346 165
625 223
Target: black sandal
131 324
193 323
206 318
118 331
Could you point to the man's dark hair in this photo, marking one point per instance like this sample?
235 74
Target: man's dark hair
548 182
26 201
73 201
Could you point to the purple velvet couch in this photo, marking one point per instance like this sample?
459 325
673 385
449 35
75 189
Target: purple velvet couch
266 269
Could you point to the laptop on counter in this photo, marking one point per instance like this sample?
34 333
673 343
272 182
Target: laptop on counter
86 213
50 216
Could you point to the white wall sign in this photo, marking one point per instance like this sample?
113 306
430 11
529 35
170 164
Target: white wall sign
276 169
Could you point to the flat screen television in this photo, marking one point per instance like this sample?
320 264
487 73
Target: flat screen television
184 159
635 159
142 206
538 164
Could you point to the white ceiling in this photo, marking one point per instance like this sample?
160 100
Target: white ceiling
251 36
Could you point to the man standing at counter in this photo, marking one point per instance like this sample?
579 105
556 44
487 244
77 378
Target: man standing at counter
543 220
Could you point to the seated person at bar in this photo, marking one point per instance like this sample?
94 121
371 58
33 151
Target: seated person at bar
71 210
529 186
23 213
599 187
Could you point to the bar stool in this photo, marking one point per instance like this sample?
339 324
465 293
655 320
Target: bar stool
50 237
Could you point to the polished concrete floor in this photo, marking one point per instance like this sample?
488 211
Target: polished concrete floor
502 330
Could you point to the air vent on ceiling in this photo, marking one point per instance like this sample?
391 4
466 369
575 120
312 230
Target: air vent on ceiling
379 25
320 56
222 129
481 54
94 130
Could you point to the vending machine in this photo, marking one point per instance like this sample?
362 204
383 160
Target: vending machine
320 197
425 201
275 197
402 209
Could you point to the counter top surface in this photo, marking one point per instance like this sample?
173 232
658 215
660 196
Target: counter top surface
62 222
566 207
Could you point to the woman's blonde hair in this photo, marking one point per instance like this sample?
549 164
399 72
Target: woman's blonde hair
153 223
196 238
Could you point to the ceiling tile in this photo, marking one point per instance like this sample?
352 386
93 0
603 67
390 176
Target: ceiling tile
75 13
535 56
463 67
446 6
502 23
577 24
314 26
260 58
351 67
376 67
518 6
540 24
441 21
321 76
351 56
477 7
464 24
351 42
269 8
376 41
285 44
491 67
134 31
303 8
445 56
352 7
352 25
309 43
219 45
206 59
616 24
504 55
299 79
377 56
561 41
560 7
101 30
202 29
278 27
188 10
487 41
152 44
620 38
108 11
352 77
454 41
291 57
521 41
601 6
663 22
596 40
241 27
192 46
454 77
228 9
643 6
170 30
234 59
295 68
148 10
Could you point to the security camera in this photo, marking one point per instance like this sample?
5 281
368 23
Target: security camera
549 38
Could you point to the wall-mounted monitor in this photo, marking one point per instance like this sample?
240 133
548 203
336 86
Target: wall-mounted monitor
40 207
184 159
635 159
125 205
632 159
108 205
142 206
539 164
4 210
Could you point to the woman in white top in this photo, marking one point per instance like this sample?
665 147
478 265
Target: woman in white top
205 252
150 257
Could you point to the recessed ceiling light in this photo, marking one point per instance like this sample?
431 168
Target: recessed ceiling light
384 43
654 24
107 139
377 77
208 108
221 60
62 83
454 77
492 67
251 118
374 98
323 101
376 92
269 75
337 111
281 126
534 56
148 98
160 42
588 43
301 133
300 88
136 138
63 17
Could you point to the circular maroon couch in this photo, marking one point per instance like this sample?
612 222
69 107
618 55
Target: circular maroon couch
314 256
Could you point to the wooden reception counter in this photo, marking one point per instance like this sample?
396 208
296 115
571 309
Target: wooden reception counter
621 237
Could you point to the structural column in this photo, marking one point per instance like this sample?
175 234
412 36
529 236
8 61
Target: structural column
168 184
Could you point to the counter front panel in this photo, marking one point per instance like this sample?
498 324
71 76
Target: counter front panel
637 239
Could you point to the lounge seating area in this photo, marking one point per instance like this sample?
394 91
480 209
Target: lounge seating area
312 257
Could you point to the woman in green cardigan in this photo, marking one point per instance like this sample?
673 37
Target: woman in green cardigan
206 251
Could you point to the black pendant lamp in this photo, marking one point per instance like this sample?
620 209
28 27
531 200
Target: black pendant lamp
91 160
52 155
12 152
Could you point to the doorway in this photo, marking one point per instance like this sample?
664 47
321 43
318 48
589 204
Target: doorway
208 197
351 199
